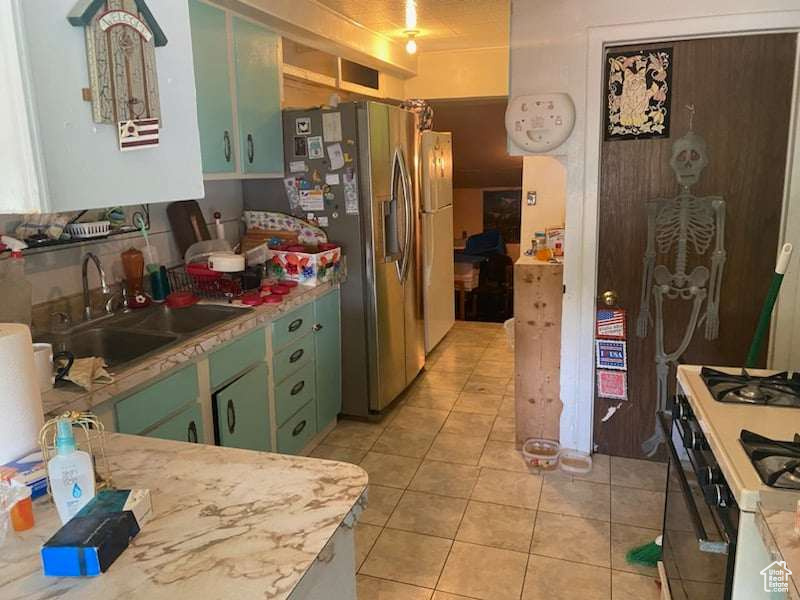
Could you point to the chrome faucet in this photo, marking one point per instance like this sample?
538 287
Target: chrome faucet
87 300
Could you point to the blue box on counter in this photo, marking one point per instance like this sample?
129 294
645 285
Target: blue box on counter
30 470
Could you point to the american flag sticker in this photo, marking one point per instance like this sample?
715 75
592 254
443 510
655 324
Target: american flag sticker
138 134
610 324
611 355
612 384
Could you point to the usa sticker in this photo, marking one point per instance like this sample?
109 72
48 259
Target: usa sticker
612 384
610 324
611 354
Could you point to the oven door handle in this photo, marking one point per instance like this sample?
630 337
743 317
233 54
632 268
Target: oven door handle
705 544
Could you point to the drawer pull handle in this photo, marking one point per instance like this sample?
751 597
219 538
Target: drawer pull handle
298 387
298 428
296 355
295 325
251 149
226 139
318 327
231 417
191 432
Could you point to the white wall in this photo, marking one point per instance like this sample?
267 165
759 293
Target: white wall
549 51
547 177
473 73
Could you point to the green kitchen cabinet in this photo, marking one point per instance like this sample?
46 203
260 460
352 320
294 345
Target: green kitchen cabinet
212 82
328 353
242 411
186 426
140 411
258 100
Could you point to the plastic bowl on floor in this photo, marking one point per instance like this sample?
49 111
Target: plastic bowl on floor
575 462
541 453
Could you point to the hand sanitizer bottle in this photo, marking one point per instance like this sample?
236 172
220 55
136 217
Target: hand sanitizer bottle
70 472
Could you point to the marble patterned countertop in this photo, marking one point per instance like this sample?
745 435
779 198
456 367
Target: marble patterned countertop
61 399
777 530
228 523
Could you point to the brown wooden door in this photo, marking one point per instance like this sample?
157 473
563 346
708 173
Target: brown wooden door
741 90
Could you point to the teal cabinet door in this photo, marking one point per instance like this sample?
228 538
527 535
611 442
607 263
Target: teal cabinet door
187 426
328 351
212 82
258 99
243 412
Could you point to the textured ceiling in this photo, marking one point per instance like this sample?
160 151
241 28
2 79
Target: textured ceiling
443 24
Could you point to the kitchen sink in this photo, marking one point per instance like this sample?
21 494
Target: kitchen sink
177 320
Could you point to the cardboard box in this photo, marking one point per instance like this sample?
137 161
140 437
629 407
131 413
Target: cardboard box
307 267
30 470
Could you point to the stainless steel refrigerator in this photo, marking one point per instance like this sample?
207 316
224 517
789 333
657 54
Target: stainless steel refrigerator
363 158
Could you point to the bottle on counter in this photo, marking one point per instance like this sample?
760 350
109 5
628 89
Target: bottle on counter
70 472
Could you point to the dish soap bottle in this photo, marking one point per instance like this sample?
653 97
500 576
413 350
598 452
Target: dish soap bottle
70 472
16 305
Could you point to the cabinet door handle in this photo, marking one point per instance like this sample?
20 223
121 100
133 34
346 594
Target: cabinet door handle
191 432
298 428
298 387
226 140
296 355
251 148
231 417
295 325
318 327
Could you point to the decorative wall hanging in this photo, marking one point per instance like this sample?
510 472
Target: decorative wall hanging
502 210
639 88
677 227
612 384
611 354
121 36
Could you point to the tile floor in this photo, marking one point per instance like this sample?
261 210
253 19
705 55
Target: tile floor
453 513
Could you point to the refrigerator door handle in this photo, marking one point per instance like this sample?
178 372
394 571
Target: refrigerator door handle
408 207
430 248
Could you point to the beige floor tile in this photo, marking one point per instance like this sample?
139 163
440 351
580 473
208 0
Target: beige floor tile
448 364
372 588
340 453
485 384
600 473
471 424
462 449
508 406
413 418
625 538
437 595
404 442
641 508
508 487
481 403
407 557
427 513
381 501
576 498
497 526
483 572
553 579
433 398
445 380
504 429
643 474
390 470
445 479
496 368
353 434
503 455
628 586
365 537
572 538
499 354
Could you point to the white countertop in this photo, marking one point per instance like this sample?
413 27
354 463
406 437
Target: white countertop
227 523
535 262
722 424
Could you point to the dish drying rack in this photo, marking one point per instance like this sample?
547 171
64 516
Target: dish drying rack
207 284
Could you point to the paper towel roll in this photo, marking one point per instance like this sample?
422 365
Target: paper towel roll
21 415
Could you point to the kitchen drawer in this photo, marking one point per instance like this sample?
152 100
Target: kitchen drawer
237 357
152 404
292 327
291 358
187 426
294 392
299 430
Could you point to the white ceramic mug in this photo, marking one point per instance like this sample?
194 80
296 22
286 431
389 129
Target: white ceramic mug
43 359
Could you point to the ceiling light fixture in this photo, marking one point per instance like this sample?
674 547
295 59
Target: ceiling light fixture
411 44
411 26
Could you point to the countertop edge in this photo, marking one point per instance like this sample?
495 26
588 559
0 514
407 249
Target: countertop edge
775 546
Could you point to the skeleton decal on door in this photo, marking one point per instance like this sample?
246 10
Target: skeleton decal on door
677 227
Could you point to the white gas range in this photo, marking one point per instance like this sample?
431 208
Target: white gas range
713 549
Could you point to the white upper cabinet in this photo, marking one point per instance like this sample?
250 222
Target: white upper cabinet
53 155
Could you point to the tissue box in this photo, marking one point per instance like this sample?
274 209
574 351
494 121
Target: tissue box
30 470
305 267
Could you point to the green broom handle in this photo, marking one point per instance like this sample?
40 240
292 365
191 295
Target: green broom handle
769 304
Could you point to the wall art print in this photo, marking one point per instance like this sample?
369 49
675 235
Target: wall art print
639 88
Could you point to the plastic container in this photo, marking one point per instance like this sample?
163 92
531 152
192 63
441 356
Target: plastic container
85 231
272 299
279 289
508 326
252 299
21 513
541 453
575 462
181 299
70 473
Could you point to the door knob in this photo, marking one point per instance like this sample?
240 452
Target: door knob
610 297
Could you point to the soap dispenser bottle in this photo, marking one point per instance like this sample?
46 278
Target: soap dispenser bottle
70 472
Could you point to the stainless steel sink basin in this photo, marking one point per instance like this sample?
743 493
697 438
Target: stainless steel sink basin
124 337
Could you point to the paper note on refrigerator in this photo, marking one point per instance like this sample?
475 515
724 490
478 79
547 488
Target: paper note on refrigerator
292 194
298 166
336 156
332 126
311 200
350 193
332 179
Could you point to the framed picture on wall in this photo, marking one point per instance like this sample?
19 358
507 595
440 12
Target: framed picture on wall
639 91
502 210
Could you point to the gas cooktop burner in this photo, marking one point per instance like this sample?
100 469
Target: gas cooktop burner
777 463
779 389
